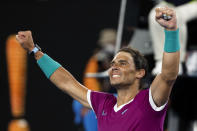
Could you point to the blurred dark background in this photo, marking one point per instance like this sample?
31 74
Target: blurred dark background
67 31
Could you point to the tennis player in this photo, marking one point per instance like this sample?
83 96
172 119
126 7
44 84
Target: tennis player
134 108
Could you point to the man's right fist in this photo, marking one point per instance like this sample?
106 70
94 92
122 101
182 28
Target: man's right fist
26 40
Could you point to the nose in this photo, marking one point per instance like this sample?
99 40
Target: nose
114 67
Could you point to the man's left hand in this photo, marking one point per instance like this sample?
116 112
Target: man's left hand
170 24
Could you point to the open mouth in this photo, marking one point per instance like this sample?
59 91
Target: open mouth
115 76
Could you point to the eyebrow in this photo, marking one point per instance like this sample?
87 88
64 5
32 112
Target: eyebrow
118 61
122 61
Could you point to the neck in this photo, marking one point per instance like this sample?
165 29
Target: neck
125 94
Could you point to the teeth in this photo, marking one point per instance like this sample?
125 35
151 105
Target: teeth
115 76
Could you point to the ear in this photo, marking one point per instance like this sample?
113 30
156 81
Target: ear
140 73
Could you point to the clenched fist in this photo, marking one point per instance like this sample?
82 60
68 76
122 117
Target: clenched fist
169 24
26 40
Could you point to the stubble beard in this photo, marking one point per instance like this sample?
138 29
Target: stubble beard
121 85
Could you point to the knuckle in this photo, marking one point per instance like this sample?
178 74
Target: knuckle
20 32
29 32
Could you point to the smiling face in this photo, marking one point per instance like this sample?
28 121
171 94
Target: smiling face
122 71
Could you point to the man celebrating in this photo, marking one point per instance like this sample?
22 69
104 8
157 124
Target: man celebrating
134 108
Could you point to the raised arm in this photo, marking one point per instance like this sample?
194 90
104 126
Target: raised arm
162 85
54 71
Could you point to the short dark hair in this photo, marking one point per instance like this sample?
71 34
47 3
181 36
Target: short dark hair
139 61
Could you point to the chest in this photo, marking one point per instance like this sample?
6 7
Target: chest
126 119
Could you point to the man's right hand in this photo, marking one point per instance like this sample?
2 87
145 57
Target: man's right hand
26 40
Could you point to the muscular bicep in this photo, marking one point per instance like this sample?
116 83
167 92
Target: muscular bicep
161 89
67 83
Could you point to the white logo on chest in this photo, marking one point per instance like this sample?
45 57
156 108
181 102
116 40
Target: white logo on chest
124 111
104 113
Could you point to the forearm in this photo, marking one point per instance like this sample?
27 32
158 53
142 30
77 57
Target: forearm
67 83
171 55
62 79
170 65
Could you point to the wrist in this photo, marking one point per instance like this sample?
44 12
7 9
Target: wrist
172 29
172 43
30 49
38 55
36 52
34 49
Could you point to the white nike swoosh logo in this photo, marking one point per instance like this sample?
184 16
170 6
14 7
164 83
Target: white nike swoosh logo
104 113
124 111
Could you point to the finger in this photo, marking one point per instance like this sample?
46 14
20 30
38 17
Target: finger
17 37
22 34
158 15
159 12
165 13
171 12
25 32
28 32
20 38
160 9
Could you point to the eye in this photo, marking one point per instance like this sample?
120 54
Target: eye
123 63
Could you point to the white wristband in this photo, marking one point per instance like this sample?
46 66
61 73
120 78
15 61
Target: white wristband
35 50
